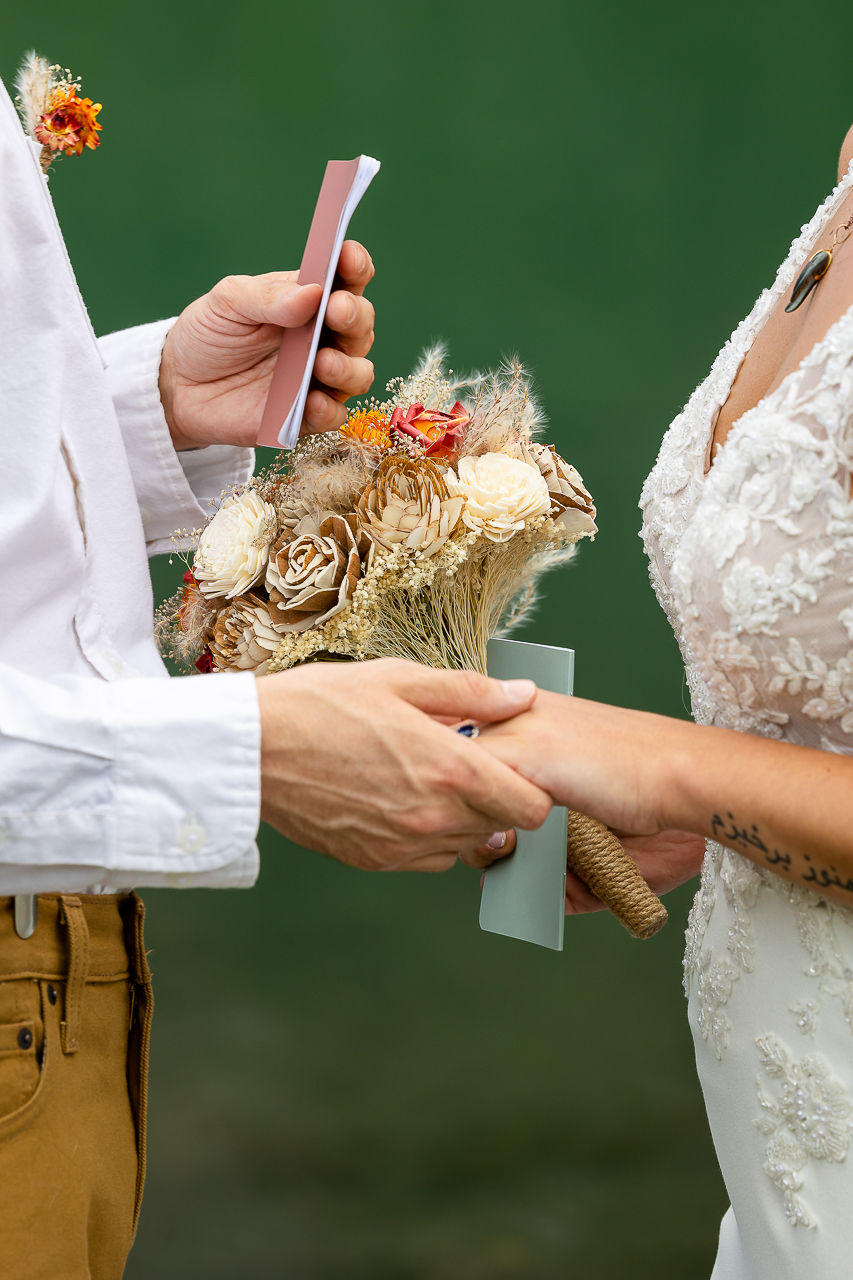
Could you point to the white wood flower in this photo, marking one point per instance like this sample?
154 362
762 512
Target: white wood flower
501 493
234 547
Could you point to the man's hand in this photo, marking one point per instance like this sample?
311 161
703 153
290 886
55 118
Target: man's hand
219 356
353 764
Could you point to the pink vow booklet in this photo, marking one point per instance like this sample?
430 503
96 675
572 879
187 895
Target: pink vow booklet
344 183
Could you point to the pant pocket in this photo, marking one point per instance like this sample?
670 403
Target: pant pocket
29 1042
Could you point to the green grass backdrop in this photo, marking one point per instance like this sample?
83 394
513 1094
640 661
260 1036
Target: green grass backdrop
350 1080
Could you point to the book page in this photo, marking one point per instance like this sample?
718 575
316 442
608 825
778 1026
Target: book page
344 183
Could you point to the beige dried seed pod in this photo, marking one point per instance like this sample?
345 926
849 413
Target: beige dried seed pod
408 504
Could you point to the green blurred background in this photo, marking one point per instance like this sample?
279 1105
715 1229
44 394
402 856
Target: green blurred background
351 1081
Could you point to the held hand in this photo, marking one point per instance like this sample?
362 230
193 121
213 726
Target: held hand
606 761
219 356
353 764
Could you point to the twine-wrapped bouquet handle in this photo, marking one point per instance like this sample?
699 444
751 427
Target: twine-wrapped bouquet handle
597 857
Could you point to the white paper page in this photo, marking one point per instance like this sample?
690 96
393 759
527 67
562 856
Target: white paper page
367 171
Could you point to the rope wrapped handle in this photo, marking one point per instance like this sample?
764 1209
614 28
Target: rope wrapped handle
597 858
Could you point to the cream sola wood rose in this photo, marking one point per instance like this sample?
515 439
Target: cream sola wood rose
313 570
500 493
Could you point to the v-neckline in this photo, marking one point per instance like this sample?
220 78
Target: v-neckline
796 258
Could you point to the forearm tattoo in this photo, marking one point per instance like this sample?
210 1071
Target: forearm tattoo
806 870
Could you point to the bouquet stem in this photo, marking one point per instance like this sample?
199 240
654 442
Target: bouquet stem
597 857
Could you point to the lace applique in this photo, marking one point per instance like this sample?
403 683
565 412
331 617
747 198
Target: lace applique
715 977
807 1118
815 917
753 597
753 566
837 700
729 669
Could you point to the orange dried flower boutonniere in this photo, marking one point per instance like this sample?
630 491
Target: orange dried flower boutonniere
53 111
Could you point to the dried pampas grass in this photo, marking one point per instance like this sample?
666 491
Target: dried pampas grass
34 84
328 482
504 411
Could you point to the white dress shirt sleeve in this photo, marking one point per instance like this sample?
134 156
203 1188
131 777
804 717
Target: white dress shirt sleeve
174 490
101 782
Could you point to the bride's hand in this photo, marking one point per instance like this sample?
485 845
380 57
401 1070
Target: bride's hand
606 761
219 356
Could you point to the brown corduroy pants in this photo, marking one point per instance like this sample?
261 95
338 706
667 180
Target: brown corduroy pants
75 1018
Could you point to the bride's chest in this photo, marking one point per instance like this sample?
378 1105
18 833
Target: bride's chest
754 563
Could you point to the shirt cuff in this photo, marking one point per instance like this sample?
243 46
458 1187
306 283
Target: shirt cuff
158 783
174 490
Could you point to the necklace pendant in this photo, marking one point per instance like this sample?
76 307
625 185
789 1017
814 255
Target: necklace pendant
809 278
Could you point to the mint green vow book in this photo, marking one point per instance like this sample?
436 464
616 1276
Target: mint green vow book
524 895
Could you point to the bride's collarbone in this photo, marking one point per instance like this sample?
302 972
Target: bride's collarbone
787 338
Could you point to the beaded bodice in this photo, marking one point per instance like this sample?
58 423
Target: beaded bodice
753 563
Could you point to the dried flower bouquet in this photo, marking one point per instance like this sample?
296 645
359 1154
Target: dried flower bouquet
418 530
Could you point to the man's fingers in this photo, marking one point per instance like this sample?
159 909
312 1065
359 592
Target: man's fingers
430 862
273 298
352 318
501 845
351 376
355 266
322 413
464 694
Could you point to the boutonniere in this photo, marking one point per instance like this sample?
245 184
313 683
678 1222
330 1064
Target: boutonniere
53 111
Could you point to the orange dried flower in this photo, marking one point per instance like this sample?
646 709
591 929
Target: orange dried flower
68 125
368 426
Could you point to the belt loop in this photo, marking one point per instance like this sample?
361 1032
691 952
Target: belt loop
78 971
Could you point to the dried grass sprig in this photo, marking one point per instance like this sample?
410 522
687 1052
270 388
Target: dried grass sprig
34 84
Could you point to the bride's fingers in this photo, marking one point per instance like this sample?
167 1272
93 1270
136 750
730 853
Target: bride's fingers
501 844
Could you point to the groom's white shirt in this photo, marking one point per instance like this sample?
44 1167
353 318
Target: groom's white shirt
112 775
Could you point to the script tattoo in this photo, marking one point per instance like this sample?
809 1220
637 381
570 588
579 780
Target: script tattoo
728 832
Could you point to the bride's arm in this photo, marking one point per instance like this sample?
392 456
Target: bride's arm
787 808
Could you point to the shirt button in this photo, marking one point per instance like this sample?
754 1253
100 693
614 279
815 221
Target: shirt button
25 1038
192 836
51 993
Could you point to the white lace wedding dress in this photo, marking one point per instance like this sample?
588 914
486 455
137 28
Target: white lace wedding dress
753 564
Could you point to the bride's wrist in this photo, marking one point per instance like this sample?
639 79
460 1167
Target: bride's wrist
686 770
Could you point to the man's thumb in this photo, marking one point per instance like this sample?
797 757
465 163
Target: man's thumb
465 695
